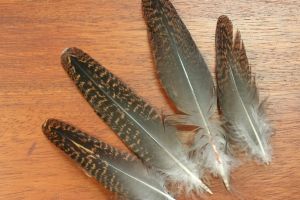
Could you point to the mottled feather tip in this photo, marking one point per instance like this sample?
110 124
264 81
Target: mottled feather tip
66 55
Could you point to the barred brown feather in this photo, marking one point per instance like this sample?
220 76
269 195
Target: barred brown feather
117 171
137 123
238 95
188 82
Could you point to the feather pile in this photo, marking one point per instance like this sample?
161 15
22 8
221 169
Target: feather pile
163 160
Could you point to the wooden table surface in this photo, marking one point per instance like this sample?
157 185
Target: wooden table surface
34 87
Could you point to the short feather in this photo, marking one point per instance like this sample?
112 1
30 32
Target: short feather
238 95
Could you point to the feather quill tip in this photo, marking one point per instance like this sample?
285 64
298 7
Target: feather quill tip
206 188
225 177
224 173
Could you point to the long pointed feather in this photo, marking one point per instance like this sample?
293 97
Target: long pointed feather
238 95
187 81
136 123
118 172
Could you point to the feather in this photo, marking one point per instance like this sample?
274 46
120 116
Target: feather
136 123
188 82
238 94
119 172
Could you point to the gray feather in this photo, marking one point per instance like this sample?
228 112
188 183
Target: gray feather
119 172
238 94
137 124
187 81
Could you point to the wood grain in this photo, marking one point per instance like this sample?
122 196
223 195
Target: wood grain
34 86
